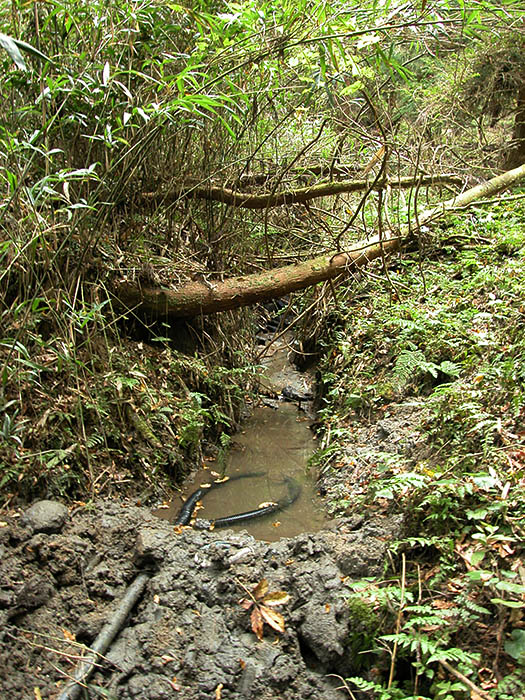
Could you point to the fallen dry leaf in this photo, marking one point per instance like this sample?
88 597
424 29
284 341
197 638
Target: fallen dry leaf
442 604
257 622
261 589
272 618
68 635
276 598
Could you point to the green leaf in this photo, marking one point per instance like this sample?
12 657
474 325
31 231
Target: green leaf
510 587
507 603
9 44
13 47
477 558
515 647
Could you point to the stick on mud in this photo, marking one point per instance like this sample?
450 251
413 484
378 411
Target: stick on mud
108 633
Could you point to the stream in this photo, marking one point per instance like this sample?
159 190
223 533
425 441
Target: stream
274 443
63 573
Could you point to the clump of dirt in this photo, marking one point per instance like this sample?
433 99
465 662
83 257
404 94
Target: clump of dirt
62 577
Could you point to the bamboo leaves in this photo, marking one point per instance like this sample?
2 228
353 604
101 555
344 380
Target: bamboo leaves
14 46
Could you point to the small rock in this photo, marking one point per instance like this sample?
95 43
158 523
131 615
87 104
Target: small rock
46 516
37 591
323 634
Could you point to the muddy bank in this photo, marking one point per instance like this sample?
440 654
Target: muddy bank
62 576
393 435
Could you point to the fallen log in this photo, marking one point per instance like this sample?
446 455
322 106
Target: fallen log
267 200
197 298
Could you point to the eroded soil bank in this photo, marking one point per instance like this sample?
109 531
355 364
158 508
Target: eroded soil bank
62 576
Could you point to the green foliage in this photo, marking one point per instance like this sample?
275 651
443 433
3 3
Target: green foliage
515 646
452 345
364 626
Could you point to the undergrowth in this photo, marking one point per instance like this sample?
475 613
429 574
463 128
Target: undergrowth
449 340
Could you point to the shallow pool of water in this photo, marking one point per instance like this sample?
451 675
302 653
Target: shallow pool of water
277 443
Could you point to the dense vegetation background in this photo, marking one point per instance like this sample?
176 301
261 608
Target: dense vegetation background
125 124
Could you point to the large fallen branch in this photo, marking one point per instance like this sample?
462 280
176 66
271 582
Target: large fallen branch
204 298
197 298
300 195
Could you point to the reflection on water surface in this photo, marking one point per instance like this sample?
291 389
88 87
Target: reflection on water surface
277 443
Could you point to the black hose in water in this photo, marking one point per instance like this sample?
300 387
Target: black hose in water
294 491
186 512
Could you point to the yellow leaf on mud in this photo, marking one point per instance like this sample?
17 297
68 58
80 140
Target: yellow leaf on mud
218 691
257 622
261 589
276 598
245 603
38 695
272 618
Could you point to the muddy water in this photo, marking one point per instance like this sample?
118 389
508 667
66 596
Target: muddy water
274 443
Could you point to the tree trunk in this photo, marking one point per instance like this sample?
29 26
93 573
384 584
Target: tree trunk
516 154
197 298
266 200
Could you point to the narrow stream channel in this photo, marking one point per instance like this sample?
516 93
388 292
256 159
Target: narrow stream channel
274 443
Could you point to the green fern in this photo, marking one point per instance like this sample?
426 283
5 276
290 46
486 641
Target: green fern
95 440
410 363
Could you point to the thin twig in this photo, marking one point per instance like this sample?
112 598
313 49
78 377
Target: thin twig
398 621
466 681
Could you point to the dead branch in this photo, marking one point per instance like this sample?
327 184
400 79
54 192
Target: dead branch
197 298
86 667
300 195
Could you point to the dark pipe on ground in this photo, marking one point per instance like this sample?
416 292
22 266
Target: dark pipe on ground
293 494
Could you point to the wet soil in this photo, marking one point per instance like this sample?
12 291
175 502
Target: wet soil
188 636
392 434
